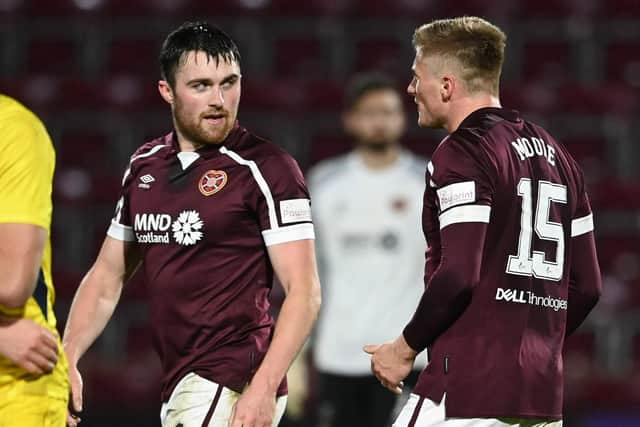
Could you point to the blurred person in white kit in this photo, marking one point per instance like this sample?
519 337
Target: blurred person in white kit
367 208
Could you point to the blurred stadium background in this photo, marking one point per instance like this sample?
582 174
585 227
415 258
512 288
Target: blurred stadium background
89 69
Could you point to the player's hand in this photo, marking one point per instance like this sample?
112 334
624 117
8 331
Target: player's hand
75 404
29 345
256 407
391 362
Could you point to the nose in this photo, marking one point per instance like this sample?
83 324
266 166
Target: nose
411 89
217 97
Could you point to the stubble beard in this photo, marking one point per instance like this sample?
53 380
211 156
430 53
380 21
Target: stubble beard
196 130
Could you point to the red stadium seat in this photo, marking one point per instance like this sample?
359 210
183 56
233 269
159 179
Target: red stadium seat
299 58
623 63
324 95
134 56
391 56
324 146
601 99
610 248
546 61
147 7
622 9
51 55
269 94
556 9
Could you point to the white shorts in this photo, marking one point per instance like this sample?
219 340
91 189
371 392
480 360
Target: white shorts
197 402
431 414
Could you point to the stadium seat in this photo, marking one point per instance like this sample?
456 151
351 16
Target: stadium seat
623 63
546 61
620 9
134 56
388 55
51 55
324 146
299 58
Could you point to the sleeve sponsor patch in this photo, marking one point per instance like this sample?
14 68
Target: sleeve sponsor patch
295 210
456 194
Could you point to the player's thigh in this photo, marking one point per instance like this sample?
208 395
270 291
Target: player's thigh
419 412
198 402
33 411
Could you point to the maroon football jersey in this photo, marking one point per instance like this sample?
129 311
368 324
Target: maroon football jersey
203 221
501 354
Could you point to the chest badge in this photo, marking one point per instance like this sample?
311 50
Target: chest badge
212 182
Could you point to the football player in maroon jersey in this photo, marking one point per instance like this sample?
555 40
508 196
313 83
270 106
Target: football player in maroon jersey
499 297
208 212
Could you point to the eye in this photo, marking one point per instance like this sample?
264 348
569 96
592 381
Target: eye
228 84
200 86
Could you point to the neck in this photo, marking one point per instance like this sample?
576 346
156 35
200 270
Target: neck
184 144
462 107
379 159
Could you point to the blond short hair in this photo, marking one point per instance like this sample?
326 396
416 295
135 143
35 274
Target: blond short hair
474 43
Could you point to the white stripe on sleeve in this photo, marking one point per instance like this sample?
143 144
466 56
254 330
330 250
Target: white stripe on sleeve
120 232
288 234
467 213
262 184
582 225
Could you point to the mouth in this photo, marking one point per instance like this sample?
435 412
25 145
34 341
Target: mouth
214 118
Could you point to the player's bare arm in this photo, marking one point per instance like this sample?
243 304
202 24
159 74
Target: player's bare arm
295 265
28 344
446 296
21 249
93 305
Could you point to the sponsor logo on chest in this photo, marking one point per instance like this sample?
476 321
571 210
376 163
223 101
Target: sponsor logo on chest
527 297
185 229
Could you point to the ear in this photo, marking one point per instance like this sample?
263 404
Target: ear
447 87
165 91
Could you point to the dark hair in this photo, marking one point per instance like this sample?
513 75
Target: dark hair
361 84
195 36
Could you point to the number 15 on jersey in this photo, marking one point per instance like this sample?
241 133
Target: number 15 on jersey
535 263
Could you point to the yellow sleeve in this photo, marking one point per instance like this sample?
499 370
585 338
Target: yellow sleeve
27 161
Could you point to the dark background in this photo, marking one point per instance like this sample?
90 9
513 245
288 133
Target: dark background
89 69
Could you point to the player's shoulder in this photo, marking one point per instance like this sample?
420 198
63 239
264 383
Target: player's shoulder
25 137
152 147
15 116
328 170
14 109
265 153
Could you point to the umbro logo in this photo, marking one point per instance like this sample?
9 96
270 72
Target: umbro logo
146 180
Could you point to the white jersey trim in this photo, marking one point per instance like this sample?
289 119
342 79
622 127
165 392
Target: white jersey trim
128 171
468 213
120 232
262 184
151 152
288 234
580 226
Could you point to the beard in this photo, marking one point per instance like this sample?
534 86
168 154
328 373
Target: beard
377 145
198 130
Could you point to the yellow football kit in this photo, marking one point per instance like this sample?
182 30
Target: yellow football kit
27 161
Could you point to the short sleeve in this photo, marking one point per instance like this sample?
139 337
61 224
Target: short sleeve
26 171
282 204
461 177
582 221
121 227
